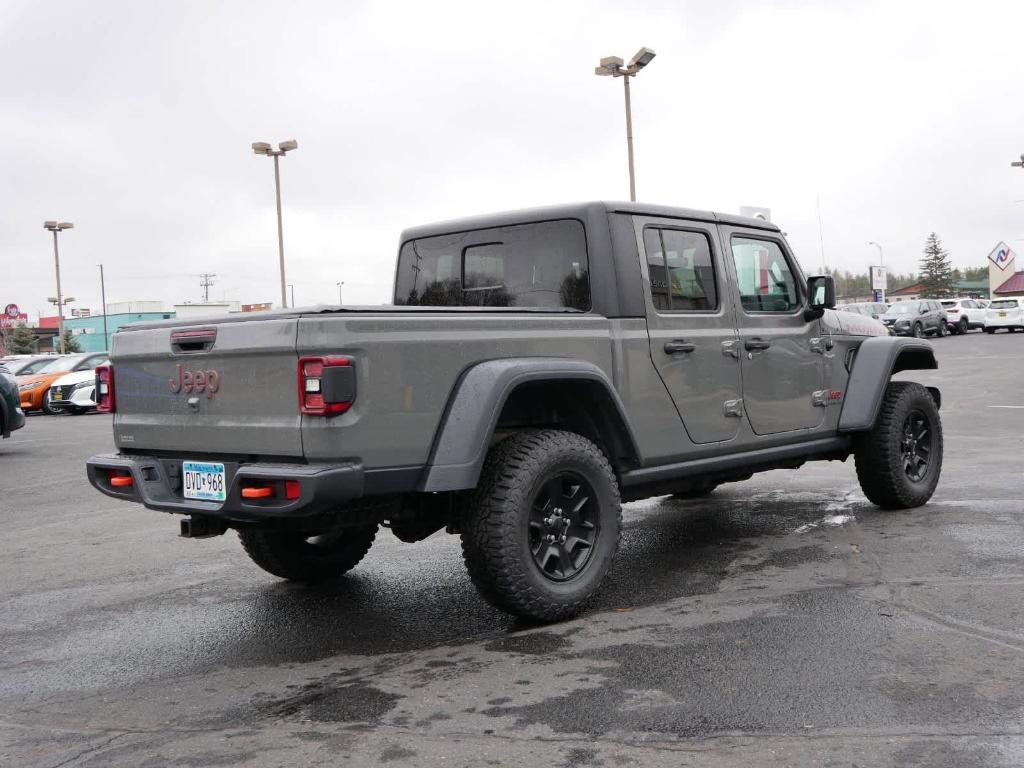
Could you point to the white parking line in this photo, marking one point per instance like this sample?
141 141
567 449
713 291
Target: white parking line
1006 406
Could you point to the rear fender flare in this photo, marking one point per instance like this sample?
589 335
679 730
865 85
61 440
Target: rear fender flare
464 435
877 359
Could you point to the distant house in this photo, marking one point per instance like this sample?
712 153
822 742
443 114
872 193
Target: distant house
975 289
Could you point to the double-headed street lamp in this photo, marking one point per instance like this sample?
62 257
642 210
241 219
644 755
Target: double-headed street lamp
1018 163
613 66
55 227
881 263
263 148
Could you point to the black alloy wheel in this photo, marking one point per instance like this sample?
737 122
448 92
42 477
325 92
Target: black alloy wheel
917 446
564 525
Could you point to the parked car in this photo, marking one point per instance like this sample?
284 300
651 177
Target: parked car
1004 313
537 368
11 415
983 303
35 387
873 309
924 317
26 364
75 392
963 314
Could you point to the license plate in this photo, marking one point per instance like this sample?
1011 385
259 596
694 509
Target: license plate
57 395
1002 314
203 480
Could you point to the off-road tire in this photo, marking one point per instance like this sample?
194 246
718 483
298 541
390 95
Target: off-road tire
918 332
696 492
879 456
293 556
497 516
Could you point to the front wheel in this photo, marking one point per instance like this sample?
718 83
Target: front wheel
918 331
542 526
943 329
48 408
899 460
304 558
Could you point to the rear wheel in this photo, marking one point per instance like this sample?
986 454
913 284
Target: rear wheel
542 526
899 460
299 557
962 326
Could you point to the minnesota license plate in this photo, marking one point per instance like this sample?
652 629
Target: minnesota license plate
1002 314
203 480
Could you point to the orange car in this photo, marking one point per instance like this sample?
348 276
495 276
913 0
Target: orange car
34 388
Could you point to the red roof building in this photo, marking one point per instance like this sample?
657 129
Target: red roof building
1012 287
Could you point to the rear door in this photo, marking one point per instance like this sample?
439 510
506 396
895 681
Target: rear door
781 352
691 324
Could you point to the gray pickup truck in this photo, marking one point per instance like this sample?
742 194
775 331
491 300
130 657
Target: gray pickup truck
536 369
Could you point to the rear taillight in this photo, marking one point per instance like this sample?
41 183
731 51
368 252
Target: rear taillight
105 388
327 385
952 309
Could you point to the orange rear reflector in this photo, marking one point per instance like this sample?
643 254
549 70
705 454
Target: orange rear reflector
257 493
121 481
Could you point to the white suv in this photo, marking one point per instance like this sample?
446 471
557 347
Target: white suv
75 392
1004 313
963 314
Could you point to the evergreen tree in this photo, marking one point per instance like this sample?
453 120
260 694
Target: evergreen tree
20 341
71 344
936 270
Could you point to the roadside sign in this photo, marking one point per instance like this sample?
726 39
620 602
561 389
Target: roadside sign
1002 255
879 279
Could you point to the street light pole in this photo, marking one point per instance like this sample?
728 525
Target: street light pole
263 148
55 227
103 298
613 66
291 289
339 292
881 262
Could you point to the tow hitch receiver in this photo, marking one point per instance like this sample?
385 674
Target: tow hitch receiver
200 527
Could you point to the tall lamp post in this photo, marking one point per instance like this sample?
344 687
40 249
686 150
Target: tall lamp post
103 298
263 148
881 262
55 227
613 66
339 292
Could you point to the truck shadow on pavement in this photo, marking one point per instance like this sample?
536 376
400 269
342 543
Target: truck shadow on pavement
670 549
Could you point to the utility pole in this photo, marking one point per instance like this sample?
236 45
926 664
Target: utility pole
55 227
205 281
103 298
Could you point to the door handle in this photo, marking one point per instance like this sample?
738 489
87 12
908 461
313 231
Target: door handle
678 345
755 344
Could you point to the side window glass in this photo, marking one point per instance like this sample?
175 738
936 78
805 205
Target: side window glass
765 281
681 270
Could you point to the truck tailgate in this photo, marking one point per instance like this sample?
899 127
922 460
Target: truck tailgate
230 390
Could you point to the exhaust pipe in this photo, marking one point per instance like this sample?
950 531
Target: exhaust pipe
200 527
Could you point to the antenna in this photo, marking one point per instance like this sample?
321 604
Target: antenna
821 235
206 280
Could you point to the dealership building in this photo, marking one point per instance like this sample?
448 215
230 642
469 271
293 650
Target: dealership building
88 331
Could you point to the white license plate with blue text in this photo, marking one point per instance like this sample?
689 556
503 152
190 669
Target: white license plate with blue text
203 480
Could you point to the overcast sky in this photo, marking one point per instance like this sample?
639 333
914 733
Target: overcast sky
134 120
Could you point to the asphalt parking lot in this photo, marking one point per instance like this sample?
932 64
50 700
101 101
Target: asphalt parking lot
783 621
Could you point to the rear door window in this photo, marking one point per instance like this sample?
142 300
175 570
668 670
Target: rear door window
540 264
681 270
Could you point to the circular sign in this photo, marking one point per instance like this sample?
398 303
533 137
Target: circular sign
11 310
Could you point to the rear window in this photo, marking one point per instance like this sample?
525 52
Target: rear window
1003 304
948 303
542 264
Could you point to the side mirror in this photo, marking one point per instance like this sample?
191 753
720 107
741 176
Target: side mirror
821 292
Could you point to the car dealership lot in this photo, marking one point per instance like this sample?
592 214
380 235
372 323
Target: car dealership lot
784 620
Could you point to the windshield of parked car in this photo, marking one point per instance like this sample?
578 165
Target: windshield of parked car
61 365
541 264
22 367
905 308
1003 304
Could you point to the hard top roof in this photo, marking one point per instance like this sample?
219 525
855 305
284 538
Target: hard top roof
579 211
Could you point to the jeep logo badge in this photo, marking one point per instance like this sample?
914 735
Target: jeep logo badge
196 381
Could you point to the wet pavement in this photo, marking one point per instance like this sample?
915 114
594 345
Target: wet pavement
782 621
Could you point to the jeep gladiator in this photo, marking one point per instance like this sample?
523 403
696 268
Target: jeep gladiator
536 369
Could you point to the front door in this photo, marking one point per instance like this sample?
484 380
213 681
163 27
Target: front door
691 325
781 352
